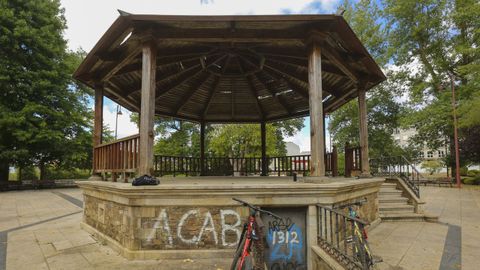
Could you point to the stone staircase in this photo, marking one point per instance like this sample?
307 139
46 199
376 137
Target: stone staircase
394 207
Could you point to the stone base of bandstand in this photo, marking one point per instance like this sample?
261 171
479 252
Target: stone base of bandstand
195 217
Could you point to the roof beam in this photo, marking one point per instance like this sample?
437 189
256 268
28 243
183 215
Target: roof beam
125 58
227 35
191 91
252 89
210 97
340 62
275 97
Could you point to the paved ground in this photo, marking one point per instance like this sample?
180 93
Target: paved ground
453 243
40 230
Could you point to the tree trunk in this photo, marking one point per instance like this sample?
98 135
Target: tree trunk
4 170
42 170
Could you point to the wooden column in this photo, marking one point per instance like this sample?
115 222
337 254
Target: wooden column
97 129
362 111
263 131
202 148
98 118
334 161
147 110
317 147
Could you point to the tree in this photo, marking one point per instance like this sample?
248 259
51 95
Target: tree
244 140
383 109
433 40
42 110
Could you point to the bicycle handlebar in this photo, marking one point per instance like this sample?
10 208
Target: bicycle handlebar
358 203
244 203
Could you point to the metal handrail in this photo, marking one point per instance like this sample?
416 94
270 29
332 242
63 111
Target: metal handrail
336 236
398 166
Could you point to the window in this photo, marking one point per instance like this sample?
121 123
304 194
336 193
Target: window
430 154
441 154
421 155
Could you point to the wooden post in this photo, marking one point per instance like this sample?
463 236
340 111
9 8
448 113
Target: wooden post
317 148
97 130
147 110
348 166
98 118
362 111
263 131
334 161
202 148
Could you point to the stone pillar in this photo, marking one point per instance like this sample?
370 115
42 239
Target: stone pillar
362 113
317 147
263 132
147 110
202 148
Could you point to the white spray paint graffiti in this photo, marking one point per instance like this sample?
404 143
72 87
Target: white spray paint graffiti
208 220
162 223
184 218
162 220
230 227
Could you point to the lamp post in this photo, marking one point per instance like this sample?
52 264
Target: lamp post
119 112
455 133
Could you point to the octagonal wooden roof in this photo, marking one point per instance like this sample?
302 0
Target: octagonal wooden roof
230 68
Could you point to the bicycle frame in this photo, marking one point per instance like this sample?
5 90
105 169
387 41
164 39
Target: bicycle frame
246 247
249 234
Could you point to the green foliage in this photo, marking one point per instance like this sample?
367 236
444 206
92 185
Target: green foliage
463 171
471 180
54 172
433 40
432 166
28 173
44 118
181 138
383 110
473 173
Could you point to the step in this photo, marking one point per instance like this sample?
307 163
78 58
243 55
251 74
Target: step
389 192
395 207
389 185
392 199
401 216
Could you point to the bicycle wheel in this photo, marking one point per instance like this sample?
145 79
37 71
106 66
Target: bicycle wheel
238 252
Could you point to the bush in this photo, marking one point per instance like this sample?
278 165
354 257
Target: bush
464 171
29 173
471 180
473 173
52 173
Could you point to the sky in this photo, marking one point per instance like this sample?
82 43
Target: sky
87 21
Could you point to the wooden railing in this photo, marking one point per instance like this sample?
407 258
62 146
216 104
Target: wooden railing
353 160
281 165
120 156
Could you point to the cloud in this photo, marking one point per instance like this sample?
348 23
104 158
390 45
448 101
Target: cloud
125 127
86 24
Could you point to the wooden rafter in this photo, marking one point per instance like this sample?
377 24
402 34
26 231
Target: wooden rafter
340 62
253 90
191 91
127 57
271 92
213 90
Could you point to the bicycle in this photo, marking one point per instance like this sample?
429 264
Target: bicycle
359 236
252 232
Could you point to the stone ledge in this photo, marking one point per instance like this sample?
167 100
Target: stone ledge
216 192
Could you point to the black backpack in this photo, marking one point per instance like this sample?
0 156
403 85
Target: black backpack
145 180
